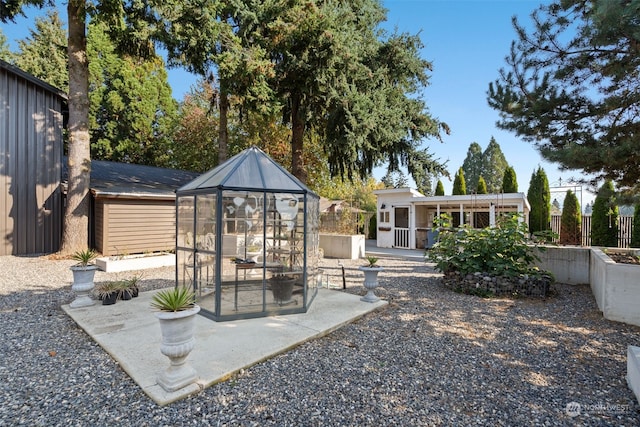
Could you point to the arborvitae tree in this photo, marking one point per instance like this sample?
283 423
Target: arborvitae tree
509 181
459 185
539 198
472 165
571 221
635 231
493 166
604 219
439 189
482 186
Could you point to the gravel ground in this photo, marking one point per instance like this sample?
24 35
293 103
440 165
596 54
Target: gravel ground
431 357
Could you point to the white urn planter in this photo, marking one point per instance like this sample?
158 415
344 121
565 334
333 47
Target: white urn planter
83 285
370 282
177 342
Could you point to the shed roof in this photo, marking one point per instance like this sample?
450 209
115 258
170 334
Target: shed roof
114 179
251 169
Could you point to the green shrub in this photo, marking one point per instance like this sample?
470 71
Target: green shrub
459 184
500 251
571 221
635 232
539 197
604 219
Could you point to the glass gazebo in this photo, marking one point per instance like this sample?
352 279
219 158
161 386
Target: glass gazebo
247 239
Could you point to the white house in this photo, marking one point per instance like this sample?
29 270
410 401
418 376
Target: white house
406 215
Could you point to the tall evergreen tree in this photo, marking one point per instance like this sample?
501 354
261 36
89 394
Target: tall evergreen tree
539 198
571 221
482 186
44 52
493 166
5 52
604 219
635 232
472 165
509 181
131 103
459 184
439 189
425 185
395 179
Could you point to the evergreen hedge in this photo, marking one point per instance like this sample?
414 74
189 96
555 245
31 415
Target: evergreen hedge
604 218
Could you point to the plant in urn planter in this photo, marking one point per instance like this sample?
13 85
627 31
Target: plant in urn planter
282 288
177 323
370 271
83 273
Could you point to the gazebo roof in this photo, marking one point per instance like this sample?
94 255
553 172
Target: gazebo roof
252 170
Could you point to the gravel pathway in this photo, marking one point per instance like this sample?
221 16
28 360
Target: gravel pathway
431 357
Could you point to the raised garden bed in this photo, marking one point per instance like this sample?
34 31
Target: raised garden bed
135 262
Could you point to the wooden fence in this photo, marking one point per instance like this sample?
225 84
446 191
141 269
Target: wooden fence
345 222
625 224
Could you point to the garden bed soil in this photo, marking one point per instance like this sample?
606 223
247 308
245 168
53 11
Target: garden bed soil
624 258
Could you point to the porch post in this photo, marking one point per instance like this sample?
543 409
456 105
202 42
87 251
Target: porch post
492 214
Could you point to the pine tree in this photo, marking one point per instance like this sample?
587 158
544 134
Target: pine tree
493 166
459 185
509 181
439 189
635 232
472 165
604 219
571 221
482 186
576 69
539 198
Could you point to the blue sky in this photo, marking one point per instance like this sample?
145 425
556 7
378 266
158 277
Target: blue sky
466 41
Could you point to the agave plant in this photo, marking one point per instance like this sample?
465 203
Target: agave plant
371 261
179 298
84 257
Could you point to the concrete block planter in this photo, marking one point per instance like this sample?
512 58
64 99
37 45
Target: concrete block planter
135 262
344 246
616 288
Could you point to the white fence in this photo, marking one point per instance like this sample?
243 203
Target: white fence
625 224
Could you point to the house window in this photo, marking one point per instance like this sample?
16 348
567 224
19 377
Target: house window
384 216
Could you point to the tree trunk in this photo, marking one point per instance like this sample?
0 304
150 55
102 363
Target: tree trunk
76 219
223 134
297 135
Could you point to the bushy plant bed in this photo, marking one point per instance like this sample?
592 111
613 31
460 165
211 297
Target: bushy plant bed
490 261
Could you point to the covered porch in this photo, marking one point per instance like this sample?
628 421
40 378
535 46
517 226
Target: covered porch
405 216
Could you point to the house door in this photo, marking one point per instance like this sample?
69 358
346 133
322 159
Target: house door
401 228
